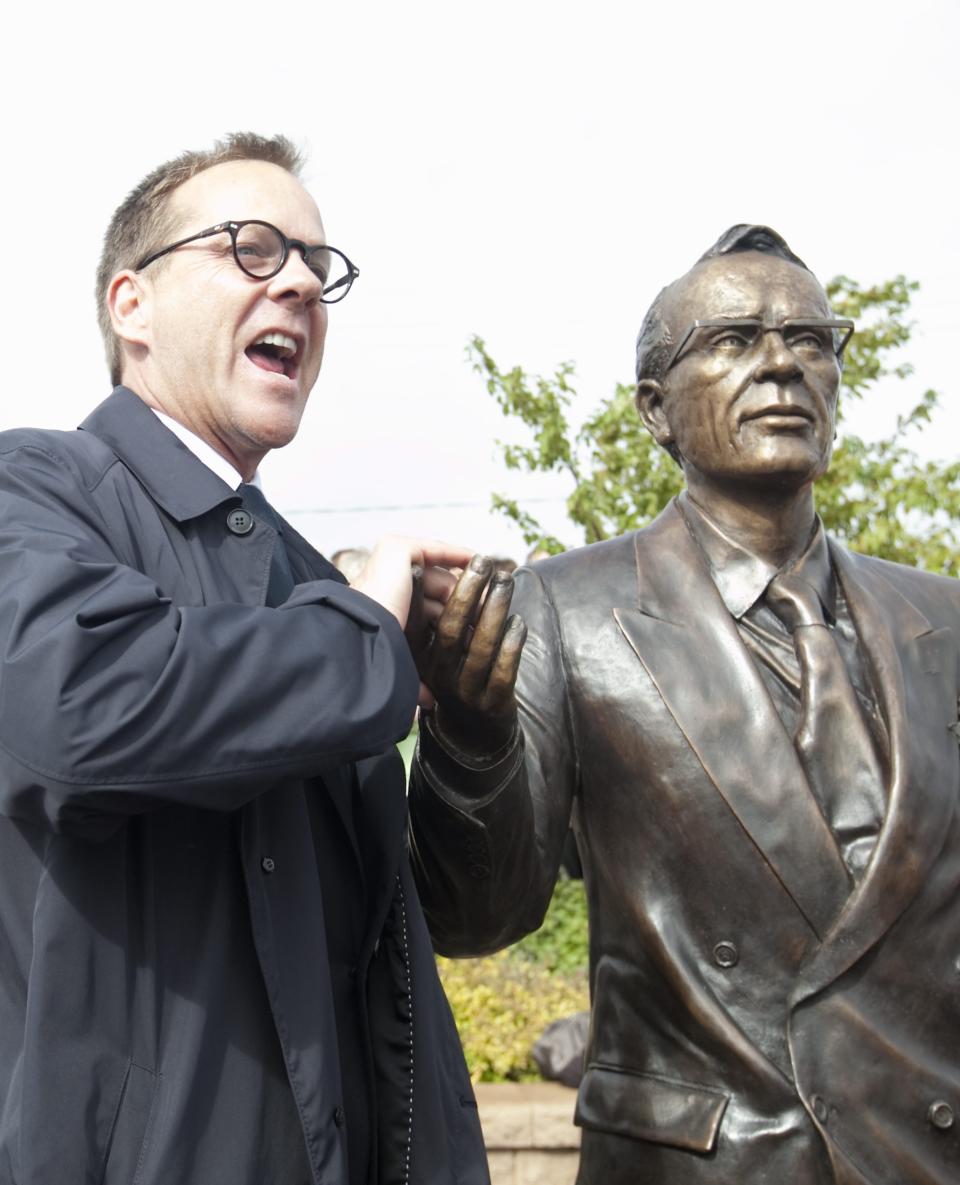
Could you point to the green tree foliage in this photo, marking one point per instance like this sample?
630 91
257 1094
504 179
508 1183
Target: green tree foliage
878 496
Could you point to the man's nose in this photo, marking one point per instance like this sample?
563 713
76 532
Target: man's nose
296 280
776 361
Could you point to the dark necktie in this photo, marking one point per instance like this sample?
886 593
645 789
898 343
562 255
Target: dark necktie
832 738
281 582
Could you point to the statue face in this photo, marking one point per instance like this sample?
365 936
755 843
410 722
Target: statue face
754 408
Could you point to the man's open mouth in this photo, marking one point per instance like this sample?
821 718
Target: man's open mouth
275 352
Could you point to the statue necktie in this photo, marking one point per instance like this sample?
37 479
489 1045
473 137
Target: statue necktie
281 581
832 737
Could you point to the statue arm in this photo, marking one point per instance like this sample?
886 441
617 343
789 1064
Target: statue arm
488 822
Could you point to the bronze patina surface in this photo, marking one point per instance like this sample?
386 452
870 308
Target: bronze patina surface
763 781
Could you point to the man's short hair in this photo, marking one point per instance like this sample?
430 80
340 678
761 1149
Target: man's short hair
655 341
143 220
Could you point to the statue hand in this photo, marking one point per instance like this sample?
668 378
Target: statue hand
471 667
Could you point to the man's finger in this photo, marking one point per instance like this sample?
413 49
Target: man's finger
432 611
438 584
419 623
434 552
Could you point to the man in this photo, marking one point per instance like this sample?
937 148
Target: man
755 733
214 966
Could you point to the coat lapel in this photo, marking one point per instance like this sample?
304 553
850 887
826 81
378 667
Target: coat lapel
913 667
689 644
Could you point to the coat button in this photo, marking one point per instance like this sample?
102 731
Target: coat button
339 1116
818 1105
268 864
940 1115
240 521
725 954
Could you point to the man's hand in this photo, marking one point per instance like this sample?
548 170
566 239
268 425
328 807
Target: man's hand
386 576
472 663
412 579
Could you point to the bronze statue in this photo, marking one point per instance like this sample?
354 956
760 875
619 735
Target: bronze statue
753 732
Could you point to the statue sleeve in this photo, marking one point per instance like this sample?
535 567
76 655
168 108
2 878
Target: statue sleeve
486 836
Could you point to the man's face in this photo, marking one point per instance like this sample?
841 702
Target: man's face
760 412
204 316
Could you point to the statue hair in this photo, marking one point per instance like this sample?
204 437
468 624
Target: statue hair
655 340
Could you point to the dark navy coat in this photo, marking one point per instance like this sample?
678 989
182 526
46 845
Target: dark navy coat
165 994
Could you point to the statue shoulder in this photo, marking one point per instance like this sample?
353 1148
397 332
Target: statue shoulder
926 590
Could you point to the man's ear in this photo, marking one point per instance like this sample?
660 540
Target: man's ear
649 399
128 301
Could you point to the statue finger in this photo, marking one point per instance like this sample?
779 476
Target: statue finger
486 640
457 618
502 680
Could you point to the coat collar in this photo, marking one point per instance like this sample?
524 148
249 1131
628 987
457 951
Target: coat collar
173 477
176 480
690 646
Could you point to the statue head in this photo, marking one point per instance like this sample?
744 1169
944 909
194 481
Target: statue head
738 364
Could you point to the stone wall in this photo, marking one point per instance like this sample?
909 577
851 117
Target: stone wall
529 1133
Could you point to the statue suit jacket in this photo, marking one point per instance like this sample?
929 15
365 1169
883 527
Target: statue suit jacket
754 1020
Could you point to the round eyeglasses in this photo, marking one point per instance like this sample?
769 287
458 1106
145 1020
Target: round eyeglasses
261 250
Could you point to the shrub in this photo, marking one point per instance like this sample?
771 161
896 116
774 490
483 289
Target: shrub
503 1003
561 942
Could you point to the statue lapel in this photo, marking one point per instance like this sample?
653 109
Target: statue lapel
691 649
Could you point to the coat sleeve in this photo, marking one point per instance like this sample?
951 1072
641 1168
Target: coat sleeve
113 700
486 841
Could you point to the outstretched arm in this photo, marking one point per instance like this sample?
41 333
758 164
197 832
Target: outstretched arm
493 777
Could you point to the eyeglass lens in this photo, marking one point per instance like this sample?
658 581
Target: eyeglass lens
798 335
259 249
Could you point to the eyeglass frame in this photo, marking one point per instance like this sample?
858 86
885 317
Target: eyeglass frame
835 323
233 228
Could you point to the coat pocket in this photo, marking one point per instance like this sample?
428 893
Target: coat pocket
645 1107
128 1139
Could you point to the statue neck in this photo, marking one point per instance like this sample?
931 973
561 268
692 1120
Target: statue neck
773 524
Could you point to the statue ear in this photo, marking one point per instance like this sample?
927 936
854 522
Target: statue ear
650 407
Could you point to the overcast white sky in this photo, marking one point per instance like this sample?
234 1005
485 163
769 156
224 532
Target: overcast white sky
532 172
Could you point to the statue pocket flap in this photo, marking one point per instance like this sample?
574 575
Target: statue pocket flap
645 1107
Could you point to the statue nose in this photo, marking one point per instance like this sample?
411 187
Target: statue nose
777 362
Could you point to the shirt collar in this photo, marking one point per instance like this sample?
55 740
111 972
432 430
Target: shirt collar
742 577
204 453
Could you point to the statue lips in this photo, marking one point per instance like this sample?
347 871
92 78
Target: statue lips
790 416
